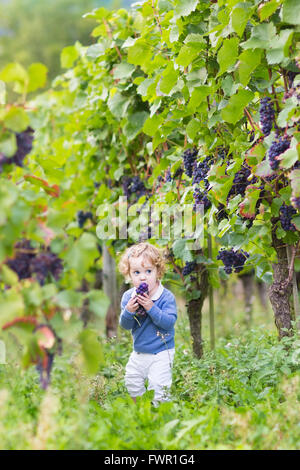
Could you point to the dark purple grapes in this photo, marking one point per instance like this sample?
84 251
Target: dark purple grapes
277 147
286 214
189 268
189 158
27 263
267 115
24 147
201 169
233 259
168 175
200 197
178 173
142 289
135 186
44 264
222 153
82 217
240 181
20 264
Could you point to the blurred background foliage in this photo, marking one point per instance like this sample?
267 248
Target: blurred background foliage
36 30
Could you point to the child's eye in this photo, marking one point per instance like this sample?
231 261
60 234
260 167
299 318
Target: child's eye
149 270
136 272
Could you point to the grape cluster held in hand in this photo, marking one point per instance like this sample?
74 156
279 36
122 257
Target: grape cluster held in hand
142 289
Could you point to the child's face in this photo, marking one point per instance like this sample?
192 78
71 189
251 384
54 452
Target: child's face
142 270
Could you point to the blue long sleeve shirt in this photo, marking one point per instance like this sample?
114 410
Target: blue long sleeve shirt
153 332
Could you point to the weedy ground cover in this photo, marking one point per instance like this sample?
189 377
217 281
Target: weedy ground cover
243 395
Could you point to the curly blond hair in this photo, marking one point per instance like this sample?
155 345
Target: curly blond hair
147 250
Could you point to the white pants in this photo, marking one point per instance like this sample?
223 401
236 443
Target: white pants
156 367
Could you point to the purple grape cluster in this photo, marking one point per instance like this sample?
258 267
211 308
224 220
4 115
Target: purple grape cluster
286 213
82 217
188 268
240 181
277 147
44 264
142 289
189 158
222 153
168 175
27 263
24 146
20 264
200 197
267 115
233 259
133 186
178 173
201 169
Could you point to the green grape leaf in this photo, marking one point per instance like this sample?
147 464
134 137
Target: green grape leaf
187 54
261 36
291 12
185 7
68 56
91 351
123 70
134 124
152 124
37 76
16 119
227 55
240 15
265 10
118 105
248 61
140 53
98 302
234 110
8 144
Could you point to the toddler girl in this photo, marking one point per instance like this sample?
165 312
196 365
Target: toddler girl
153 328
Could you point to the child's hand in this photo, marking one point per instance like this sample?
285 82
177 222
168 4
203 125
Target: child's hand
132 305
145 301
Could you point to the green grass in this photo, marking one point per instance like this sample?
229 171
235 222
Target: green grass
244 395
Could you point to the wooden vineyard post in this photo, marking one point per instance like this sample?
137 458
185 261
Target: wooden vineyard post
211 301
295 291
111 290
